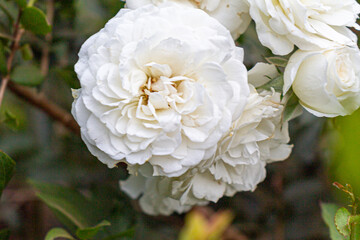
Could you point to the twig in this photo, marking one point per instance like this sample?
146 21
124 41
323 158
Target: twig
42 102
50 8
15 45
6 36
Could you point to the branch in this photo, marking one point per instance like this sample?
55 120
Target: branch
50 108
14 47
50 8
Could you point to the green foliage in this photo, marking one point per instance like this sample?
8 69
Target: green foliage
82 214
4 234
72 208
34 20
356 231
347 224
277 61
355 219
87 233
27 75
21 3
11 121
276 83
7 169
328 212
90 232
26 52
198 227
68 75
7 12
345 163
3 67
292 108
58 233
125 234
342 221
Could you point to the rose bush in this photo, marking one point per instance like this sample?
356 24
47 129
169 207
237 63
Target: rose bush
310 25
159 85
233 14
326 82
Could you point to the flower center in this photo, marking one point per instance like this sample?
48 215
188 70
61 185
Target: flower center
161 89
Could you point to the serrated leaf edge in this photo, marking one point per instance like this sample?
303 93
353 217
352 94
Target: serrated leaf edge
338 228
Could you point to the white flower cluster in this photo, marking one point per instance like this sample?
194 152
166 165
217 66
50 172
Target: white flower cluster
164 90
324 72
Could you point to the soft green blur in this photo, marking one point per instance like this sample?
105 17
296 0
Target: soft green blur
345 148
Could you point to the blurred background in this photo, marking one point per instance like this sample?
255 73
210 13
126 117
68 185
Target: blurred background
285 206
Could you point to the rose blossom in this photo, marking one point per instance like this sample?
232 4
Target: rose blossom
233 14
256 138
159 85
310 25
326 82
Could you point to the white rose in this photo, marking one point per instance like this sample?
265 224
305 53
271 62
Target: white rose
326 82
233 14
155 193
159 85
255 139
310 25
258 137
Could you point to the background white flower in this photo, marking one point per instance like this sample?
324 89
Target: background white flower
327 82
233 14
159 85
310 25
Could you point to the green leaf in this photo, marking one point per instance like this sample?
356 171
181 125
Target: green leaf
31 3
7 13
342 221
87 233
11 121
28 75
4 234
21 3
356 232
128 233
292 108
68 75
3 67
27 52
72 208
34 20
277 61
276 83
328 212
58 233
355 219
7 169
